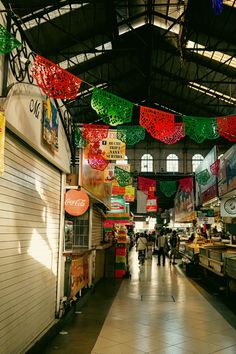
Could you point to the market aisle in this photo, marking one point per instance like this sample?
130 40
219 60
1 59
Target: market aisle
158 310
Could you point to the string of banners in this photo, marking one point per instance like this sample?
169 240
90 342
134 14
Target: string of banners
58 83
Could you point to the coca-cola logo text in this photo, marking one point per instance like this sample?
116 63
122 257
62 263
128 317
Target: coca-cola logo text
78 202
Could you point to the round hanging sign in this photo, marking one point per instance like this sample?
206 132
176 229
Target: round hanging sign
76 202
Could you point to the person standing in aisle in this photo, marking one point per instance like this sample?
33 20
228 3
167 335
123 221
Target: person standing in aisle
149 247
174 243
141 247
162 245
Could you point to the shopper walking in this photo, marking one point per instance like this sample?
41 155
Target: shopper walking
161 246
141 247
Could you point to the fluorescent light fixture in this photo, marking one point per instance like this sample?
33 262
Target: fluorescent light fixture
213 93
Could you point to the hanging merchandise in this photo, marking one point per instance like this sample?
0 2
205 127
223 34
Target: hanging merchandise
158 123
95 133
203 177
214 168
79 140
227 127
168 188
217 6
123 177
96 159
7 41
186 184
199 129
2 142
145 183
112 109
54 81
131 135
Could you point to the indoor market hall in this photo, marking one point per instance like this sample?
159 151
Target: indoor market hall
157 310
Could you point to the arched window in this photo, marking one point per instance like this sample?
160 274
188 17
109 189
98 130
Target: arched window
196 160
172 163
147 163
122 162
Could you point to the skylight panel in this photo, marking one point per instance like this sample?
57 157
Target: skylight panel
214 55
52 14
80 58
213 93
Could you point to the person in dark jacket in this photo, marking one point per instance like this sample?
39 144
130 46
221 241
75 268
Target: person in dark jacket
174 244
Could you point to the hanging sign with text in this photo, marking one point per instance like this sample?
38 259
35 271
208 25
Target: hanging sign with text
76 202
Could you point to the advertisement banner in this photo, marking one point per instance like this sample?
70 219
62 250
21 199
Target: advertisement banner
93 181
141 202
2 142
184 205
109 172
76 202
117 205
151 205
208 191
129 194
79 274
227 172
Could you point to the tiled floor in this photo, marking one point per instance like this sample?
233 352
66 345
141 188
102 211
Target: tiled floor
157 311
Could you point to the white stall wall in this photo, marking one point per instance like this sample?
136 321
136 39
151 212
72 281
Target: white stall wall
29 236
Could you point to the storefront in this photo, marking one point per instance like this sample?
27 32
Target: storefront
31 218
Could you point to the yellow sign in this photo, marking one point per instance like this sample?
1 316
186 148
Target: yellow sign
113 148
129 193
2 142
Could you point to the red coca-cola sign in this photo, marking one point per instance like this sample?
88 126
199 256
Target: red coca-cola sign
76 202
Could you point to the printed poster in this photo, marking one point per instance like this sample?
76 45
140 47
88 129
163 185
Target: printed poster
227 172
50 124
79 274
93 181
207 192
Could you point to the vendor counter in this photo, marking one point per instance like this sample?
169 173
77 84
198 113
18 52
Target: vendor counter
217 258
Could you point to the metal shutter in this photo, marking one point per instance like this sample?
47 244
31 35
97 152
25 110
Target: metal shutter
97 226
29 236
